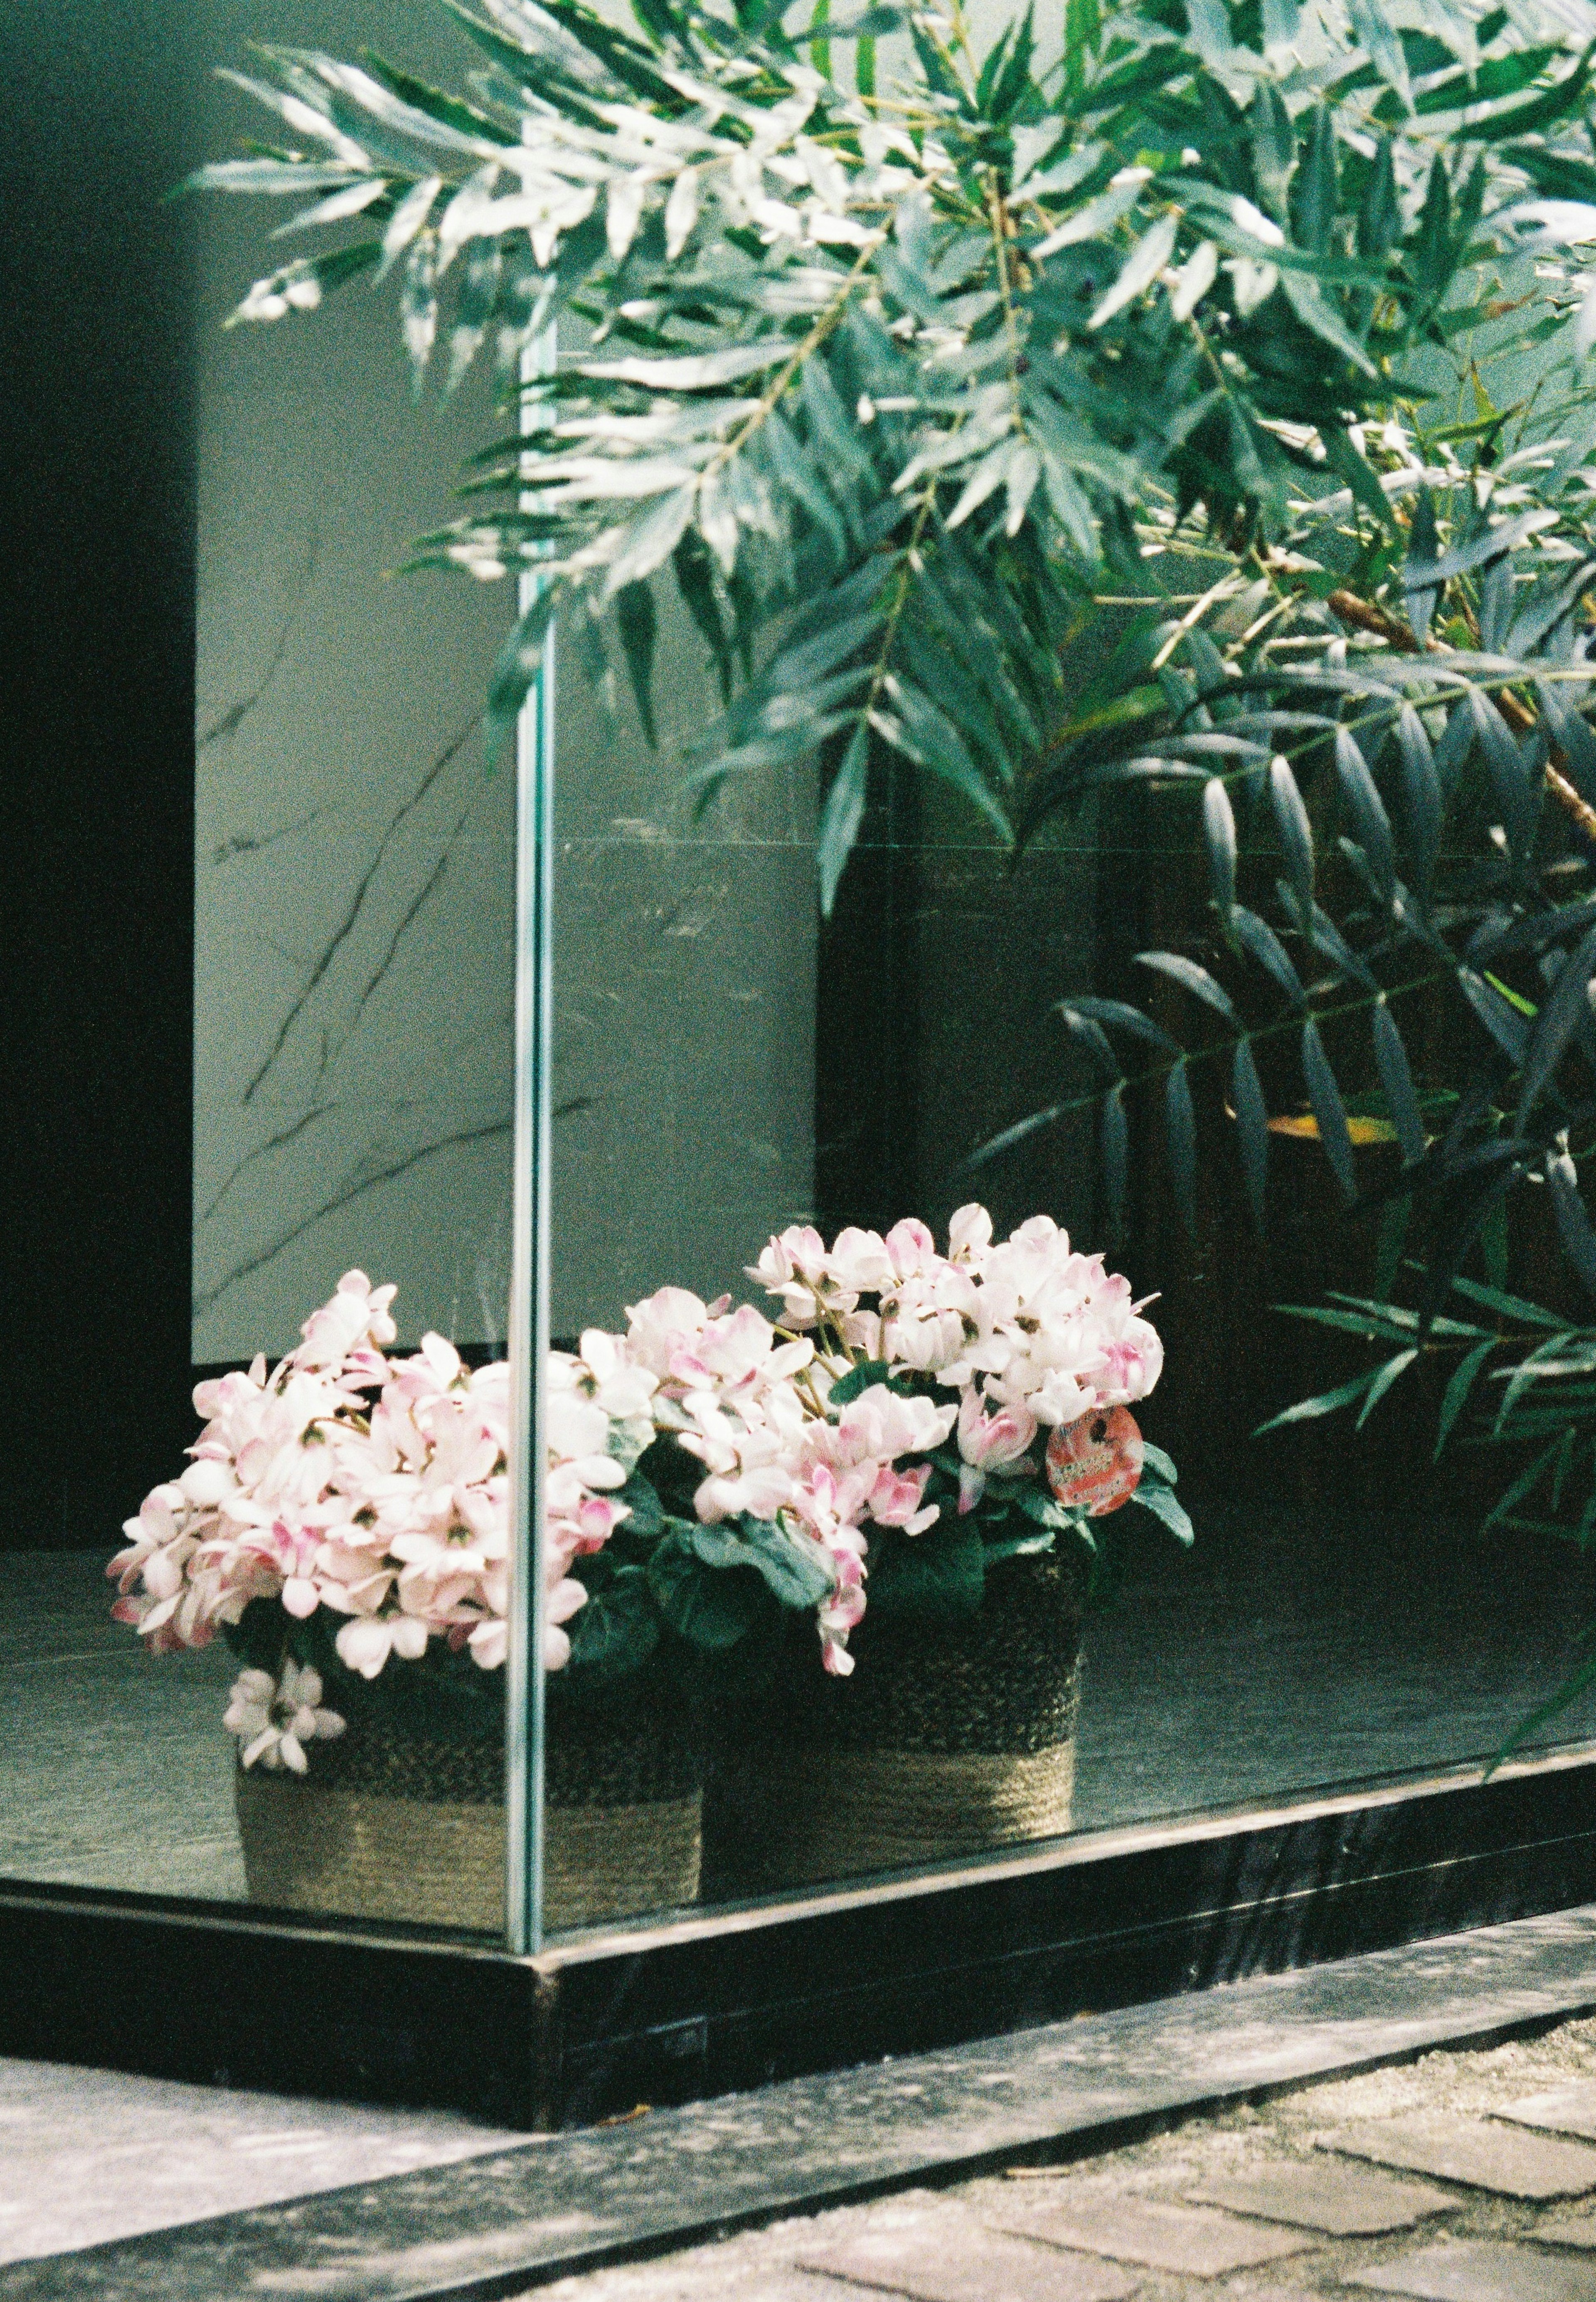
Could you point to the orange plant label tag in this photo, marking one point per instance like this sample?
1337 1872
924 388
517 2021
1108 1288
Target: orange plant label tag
1095 1463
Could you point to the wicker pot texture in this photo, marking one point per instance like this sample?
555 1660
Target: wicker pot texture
391 1824
946 1739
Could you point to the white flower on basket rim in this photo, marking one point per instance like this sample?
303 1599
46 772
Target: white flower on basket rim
274 1718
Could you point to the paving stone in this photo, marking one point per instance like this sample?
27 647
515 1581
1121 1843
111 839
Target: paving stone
1344 2201
1566 2110
963 2265
1199 2241
1481 2270
1486 2156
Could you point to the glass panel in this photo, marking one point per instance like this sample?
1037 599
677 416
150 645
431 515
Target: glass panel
343 1534
726 1065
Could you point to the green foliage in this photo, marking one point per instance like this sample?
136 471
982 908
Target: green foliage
886 374
1523 1384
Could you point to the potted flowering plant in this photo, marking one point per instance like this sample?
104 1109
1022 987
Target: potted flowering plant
344 1524
923 1426
946 1427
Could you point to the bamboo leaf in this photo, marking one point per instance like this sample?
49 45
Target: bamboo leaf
1382 1382
1455 1396
1180 1122
635 619
1252 1127
1396 1077
1527 1479
1510 1307
1507 1027
1560 1014
1192 978
1219 826
1368 812
1112 1148
520 661
1574 1223
1296 834
1122 1015
1142 267
1327 1402
1258 938
1425 805
1328 1109
842 815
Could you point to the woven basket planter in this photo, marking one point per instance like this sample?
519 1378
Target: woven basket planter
947 1739
390 1824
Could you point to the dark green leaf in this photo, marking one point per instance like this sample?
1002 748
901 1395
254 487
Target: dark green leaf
938 1576
1252 1127
1113 1151
1308 1410
1122 1016
520 662
1368 812
1396 1077
1315 200
1191 978
1165 1506
617 1631
1329 1110
1219 828
1574 1223
1296 835
634 616
1179 1127
842 815
1424 807
1457 1388
1561 1013
1260 940
710 1607
1382 1382
860 1378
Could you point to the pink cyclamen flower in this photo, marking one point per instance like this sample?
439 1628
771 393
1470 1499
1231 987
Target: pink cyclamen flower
896 1497
991 1444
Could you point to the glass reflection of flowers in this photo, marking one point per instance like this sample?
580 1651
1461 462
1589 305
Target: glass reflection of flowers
910 1419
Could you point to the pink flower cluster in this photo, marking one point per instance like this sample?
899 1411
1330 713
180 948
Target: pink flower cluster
1023 1334
376 1487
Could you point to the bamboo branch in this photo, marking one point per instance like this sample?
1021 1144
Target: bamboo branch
1364 615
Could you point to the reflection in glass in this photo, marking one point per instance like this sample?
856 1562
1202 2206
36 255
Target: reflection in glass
325 1565
732 1070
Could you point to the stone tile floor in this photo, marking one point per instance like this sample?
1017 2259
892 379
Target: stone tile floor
1158 2221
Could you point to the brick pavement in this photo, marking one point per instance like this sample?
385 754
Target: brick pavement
1464 2177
